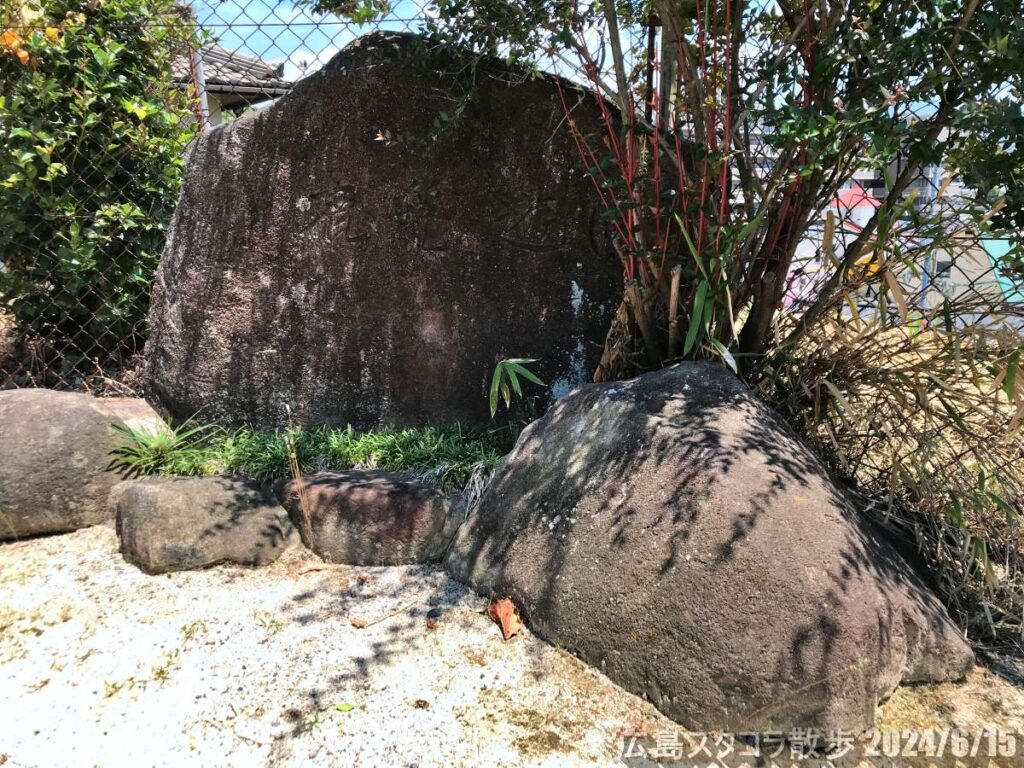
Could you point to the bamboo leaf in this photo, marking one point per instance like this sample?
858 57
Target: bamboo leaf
1016 421
693 249
947 315
956 510
725 354
827 240
697 317
514 380
734 334
525 372
857 323
1003 504
495 384
946 181
1010 378
897 295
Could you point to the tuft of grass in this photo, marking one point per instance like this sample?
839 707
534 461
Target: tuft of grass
193 630
180 450
449 455
268 622
161 673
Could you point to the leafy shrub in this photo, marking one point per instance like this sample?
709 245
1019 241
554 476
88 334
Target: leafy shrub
92 138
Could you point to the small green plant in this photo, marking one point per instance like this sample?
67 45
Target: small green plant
449 456
296 472
505 380
161 673
111 688
193 630
169 450
268 622
313 722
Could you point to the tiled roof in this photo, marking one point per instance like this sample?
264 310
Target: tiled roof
855 197
232 72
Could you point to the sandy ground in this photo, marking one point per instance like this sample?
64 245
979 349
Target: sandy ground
101 665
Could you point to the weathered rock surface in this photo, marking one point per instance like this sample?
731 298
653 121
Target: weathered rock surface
135 413
55 464
181 523
338 254
673 531
372 517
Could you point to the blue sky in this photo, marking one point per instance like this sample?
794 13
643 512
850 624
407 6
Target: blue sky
279 31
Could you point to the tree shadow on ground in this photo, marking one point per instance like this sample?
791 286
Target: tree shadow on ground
395 603
371 517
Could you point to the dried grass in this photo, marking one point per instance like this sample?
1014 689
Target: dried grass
927 424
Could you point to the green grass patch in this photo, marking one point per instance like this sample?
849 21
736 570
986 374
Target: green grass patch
447 455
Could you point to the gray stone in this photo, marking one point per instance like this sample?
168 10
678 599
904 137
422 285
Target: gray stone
55 464
135 413
675 533
181 523
335 253
372 517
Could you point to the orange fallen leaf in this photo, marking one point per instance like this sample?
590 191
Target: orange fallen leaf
504 613
359 623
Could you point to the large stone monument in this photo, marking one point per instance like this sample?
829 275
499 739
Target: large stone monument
360 254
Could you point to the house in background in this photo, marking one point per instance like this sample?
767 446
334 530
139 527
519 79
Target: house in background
972 269
227 81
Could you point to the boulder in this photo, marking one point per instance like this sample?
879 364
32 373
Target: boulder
181 523
351 255
371 517
55 464
675 533
135 413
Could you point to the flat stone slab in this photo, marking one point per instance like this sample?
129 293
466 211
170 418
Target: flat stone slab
363 517
182 523
55 465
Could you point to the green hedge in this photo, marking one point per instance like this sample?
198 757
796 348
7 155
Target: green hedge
92 142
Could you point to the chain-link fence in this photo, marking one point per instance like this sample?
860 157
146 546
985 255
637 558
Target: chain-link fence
101 98
100 101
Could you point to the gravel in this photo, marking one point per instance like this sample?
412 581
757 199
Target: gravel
101 665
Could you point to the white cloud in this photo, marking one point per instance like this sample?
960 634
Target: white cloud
303 63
